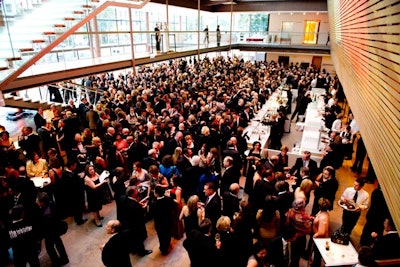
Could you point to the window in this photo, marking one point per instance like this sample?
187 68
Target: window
311 32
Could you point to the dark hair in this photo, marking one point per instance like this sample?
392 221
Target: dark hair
360 181
6 133
159 190
365 256
212 186
44 198
205 226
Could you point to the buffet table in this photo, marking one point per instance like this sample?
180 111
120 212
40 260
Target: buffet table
334 254
257 130
314 128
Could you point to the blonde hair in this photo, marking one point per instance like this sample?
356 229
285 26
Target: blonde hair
306 185
223 224
192 203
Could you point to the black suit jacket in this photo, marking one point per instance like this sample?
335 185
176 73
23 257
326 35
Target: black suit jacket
213 209
39 121
262 189
230 204
275 252
312 165
132 217
116 251
230 176
31 144
237 160
163 211
386 247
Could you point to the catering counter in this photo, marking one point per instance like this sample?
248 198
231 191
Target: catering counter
257 130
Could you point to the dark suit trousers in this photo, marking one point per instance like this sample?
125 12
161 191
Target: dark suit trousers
164 237
349 220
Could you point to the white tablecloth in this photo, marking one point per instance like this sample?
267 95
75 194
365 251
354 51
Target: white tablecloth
337 255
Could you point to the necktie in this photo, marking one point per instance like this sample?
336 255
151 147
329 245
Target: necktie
304 163
355 197
207 200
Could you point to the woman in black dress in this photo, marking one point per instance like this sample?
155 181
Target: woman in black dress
253 156
94 193
192 214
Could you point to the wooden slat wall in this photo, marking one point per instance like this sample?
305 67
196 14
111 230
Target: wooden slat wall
365 45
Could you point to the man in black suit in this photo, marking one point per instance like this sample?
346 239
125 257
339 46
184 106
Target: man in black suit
387 246
132 218
138 151
325 187
212 203
231 201
29 141
175 142
232 152
279 250
262 188
305 161
230 176
71 193
115 253
185 161
163 211
200 245
283 199
39 119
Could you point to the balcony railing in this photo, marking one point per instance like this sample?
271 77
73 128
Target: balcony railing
83 44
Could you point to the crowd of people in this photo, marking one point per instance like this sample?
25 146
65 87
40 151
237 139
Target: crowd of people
172 142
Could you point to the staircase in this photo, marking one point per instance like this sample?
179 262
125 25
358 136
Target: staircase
33 37
22 37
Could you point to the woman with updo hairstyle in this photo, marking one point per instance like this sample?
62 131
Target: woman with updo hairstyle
297 218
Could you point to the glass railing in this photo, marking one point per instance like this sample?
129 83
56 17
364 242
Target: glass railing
89 42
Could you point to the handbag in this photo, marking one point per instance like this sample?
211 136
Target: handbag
61 227
340 237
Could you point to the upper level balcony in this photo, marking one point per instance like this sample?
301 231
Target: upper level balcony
112 35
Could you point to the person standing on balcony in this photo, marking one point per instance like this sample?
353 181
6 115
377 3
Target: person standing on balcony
206 37
158 38
218 36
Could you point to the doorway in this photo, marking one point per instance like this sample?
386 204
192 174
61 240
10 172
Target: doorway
316 62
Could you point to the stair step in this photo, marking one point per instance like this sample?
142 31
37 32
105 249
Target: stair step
69 18
87 6
49 33
9 59
38 41
59 25
79 12
26 50
3 68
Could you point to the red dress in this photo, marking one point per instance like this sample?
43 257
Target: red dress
177 231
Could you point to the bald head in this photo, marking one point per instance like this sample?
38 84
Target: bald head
113 226
234 188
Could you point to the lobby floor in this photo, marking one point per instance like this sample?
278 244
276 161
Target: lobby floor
83 242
